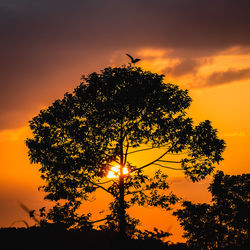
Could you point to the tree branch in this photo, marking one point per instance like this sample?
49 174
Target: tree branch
126 153
111 157
98 220
104 182
139 150
99 186
153 161
170 161
122 137
183 153
167 167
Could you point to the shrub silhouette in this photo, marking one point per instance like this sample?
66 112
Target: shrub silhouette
224 223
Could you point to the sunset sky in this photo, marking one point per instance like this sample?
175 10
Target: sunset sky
46 45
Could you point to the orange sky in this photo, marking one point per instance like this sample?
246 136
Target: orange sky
216 70
227 106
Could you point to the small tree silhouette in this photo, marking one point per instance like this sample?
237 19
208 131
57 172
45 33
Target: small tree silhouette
77 141
225 223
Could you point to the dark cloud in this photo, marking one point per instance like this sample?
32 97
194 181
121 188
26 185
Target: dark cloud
174 23
185 66
231 75
46 44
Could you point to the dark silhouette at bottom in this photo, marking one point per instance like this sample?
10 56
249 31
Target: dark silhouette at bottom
57 239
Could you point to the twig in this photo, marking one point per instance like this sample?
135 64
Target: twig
167 166
101 187
170 161
153 161
139 150
100 183
98 220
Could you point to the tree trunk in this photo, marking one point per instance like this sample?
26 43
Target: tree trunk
122 219
121 211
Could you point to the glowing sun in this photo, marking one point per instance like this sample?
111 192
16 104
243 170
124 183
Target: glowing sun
114 171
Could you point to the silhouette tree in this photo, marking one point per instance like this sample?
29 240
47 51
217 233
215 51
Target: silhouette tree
224 223
109 117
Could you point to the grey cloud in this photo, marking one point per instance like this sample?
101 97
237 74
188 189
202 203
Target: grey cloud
221 77
231 75
185 66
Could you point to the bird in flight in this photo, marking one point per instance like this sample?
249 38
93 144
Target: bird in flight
132 59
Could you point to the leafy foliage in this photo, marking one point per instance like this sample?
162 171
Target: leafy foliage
223 224
77 139
65 217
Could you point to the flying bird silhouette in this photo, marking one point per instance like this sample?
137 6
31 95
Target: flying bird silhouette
132 59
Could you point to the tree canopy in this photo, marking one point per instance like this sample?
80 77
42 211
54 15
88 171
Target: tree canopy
224 223
107 119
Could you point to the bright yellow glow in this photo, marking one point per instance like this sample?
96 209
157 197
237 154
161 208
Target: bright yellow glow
115 171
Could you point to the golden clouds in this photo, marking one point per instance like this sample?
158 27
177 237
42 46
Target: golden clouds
228 66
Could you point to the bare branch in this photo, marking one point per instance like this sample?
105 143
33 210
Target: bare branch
151 163
170 161
104 182
167 167
98 220
99 186
139 150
